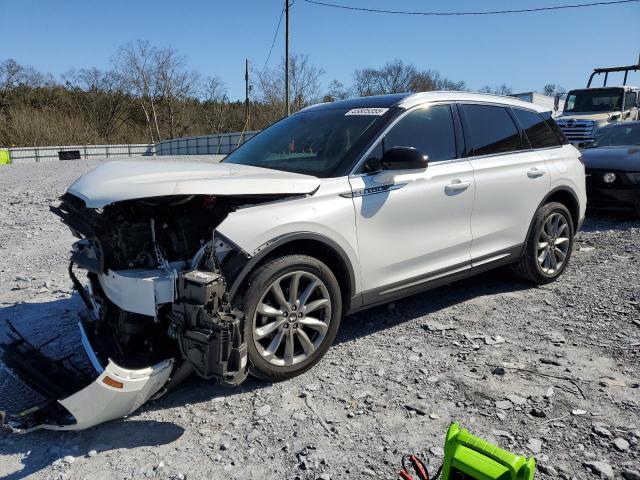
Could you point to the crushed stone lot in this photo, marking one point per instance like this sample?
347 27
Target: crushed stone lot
550 371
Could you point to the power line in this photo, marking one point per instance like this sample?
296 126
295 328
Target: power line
460 14
275 36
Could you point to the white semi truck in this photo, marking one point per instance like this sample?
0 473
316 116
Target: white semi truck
588 111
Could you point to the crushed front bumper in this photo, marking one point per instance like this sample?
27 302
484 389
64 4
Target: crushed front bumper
116 393
28 399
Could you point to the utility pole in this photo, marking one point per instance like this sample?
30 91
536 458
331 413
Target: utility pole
246 93
286 59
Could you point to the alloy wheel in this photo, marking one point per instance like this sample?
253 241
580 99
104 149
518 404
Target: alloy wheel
553 243
292 318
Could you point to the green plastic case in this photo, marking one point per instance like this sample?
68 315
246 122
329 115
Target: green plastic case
469 457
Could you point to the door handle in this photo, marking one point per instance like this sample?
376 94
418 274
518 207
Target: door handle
457 186
535 173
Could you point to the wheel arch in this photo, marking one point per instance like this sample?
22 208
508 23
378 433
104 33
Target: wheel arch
304 243
567 197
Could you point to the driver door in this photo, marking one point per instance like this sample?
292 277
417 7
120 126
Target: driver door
413 226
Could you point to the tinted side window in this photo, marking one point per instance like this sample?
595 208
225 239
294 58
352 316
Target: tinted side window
430 130
630 100
491 130
538 132
555 128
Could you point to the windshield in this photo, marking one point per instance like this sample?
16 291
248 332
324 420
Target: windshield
601 100
312 143
620 136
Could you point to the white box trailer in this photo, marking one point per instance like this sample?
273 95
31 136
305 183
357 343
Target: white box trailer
544 101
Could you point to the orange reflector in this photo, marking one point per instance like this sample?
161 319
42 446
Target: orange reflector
112 383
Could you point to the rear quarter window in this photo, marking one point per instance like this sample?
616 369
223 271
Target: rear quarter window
562 139
536 129
491 130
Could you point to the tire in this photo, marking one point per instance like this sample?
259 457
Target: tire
536 266
302 336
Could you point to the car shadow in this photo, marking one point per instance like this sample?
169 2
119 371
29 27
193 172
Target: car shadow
39 449
422 304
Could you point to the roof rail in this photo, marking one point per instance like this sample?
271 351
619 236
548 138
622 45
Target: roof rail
607 70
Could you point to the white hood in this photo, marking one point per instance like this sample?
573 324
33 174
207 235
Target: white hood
127 180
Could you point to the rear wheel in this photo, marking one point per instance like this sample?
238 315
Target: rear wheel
293 309
549 246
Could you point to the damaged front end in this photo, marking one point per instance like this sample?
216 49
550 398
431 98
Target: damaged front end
158 309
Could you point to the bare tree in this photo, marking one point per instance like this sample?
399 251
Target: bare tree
216 105
499 90
336 91
430 80
552 89
397 77
136 62
106 102
11 73
45 126
393 77
150 93
304 84
176 85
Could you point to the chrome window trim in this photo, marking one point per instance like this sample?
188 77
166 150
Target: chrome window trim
502 154
363 158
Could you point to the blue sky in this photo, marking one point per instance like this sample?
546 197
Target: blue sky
524 51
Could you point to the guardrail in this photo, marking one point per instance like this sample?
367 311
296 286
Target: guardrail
77 152
221 144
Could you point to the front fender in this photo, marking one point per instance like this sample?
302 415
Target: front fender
325 216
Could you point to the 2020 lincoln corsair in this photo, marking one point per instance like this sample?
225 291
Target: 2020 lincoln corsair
249 265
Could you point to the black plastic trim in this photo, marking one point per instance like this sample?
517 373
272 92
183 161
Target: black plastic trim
249 263
461 148
569 190
375 297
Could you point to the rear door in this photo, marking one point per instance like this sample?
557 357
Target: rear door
511 181
414 226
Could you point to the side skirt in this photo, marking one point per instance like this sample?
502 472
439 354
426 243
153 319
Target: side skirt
435 279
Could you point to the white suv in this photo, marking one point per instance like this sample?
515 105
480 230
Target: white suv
249 264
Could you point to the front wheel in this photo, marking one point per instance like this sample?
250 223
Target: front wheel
549 246
293 309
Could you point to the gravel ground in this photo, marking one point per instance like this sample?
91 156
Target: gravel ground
551 371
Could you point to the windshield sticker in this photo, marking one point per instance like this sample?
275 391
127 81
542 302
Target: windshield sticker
367 111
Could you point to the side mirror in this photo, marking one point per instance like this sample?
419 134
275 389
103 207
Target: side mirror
404 158
556 102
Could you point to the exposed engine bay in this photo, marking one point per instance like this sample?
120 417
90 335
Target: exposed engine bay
156 289
158 306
